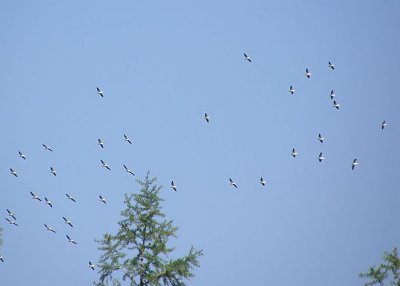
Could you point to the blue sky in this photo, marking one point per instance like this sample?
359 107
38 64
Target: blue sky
162 65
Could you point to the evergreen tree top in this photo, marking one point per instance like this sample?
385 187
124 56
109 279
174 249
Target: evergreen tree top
139 250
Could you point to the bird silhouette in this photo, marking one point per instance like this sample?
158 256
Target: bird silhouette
232 183
100 92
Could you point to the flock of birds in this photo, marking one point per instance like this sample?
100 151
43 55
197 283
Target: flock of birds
320 138
12 220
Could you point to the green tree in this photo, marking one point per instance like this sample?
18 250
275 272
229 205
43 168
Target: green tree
389 269
139 251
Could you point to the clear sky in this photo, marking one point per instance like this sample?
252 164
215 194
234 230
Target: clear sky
162 65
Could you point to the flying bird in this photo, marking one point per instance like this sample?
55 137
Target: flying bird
52 171
48 202
127 139
332 94
12 172
336 105
320 138
1 258
294 153
262 181
71 240
247 58
232 183
105 165
128 171
100 92
91 265
173 186
70 198
354 164
21 155
291 89
47 147
321 157
383 125
11 222
35 197
49 228
331 66
100 143
307 73
67 221
11 214
206 117
103 200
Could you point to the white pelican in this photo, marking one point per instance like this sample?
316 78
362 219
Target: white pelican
11 214
173 186
105 165
247 58
332 94
47 147
128 171
21 155
383 125
291 89
71 240
35 197
100 92
307 73
49 228
48 202
67 221
12 172
206 117
11 222
103 200
232 183
127 139
70 198
336 105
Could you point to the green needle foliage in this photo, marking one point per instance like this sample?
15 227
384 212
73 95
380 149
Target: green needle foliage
139 251
389 269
